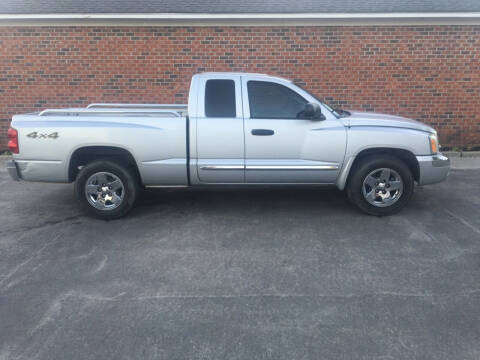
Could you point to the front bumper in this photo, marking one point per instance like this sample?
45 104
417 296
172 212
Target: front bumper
433 168
13 170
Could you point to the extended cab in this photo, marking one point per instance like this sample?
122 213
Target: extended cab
238 128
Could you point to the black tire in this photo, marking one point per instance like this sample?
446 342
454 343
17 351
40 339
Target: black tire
129 189
364 168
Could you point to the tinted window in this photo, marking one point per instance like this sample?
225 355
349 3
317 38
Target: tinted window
220 98
270 100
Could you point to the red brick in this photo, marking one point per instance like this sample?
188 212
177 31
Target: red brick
429 73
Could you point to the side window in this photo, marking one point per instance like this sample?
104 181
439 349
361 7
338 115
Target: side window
273 101
220 98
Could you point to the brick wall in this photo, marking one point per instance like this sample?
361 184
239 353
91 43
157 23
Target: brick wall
430 73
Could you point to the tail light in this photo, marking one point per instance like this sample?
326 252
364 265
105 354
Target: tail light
13 140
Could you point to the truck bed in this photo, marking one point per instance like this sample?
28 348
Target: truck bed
49 139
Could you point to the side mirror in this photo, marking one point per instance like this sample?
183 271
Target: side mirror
313 111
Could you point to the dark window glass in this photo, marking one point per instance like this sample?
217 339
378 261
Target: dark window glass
273 101
220 98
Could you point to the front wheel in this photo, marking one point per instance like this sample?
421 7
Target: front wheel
380 185
107 190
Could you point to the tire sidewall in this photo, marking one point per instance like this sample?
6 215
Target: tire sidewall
126 176
366 166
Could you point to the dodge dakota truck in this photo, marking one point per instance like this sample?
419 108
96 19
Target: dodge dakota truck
237 129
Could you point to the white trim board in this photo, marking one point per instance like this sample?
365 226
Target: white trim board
301 19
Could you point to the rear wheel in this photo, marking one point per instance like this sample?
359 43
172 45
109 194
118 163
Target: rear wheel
106 189
380 185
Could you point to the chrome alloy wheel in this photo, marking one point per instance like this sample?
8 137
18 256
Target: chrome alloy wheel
104 191
382 187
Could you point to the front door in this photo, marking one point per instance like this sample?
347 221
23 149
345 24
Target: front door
280 146
219 135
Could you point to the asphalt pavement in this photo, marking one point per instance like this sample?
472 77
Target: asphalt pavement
240 274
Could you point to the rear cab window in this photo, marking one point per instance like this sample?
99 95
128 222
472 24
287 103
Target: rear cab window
220 99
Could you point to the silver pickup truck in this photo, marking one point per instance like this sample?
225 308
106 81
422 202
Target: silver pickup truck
237 129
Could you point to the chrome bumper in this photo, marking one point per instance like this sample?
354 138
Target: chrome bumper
433 168
13 170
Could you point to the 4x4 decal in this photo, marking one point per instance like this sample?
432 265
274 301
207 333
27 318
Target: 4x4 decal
36 135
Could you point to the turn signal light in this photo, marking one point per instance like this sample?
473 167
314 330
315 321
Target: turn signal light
13 140
434 144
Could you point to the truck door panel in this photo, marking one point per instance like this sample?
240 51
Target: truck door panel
281 148
220 136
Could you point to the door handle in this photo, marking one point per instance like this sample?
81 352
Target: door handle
262 132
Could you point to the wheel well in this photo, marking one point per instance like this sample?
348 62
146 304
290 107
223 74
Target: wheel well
88 154
406 156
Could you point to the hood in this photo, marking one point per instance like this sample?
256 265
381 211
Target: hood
374 119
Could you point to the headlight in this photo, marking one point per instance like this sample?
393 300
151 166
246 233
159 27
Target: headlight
433 143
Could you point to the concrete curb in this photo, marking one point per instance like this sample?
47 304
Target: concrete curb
471 154
464 160
465 163
464 154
